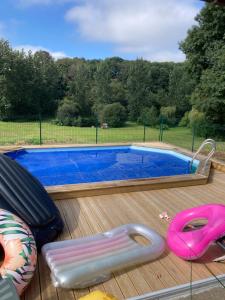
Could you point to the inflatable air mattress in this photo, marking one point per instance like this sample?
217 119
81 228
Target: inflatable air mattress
87 261
23 195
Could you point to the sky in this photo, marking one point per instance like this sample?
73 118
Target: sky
96 29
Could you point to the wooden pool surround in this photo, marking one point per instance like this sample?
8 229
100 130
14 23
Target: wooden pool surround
123 186
167 275
85 216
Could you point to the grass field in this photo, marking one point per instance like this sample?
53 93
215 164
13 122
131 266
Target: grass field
21 133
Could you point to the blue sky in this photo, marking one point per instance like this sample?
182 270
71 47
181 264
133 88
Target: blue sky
99 28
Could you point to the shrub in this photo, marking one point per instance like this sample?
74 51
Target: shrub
68 114
168 113
162 126
149 116
114 115
88 121
184 122
198 121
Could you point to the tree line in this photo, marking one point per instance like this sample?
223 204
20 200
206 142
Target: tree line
204 47
80 92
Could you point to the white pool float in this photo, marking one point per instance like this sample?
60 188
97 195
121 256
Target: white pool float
87 261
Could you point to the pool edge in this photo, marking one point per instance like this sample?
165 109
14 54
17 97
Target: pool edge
122 186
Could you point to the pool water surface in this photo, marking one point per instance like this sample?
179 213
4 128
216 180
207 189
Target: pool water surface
60 166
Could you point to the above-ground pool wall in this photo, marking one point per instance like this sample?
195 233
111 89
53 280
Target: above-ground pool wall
123 186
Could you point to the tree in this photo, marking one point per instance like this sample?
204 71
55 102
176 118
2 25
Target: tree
68 112
16 82
209 96
181 86
31 84
79 88
109 79
168 113
197 120
137 88
204 48
149 116
114 115
158 77
118 92
46 83
203 38
6 56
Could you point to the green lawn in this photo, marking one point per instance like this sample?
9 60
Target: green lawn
28 133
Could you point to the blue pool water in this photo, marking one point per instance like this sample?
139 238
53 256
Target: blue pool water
59 166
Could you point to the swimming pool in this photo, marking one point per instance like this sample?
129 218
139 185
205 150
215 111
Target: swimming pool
62 166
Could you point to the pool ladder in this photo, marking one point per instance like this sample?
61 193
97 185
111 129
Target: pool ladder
210 142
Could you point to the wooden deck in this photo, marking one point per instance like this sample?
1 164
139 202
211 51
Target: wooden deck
90 215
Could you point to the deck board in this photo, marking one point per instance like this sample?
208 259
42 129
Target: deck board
91 215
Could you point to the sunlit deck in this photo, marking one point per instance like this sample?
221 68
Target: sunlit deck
90 215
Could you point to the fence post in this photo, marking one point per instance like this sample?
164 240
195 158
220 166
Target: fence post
162 130
144 136
193 139
96 134
159 129
40 129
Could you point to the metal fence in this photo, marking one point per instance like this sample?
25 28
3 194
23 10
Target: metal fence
46 132
38 132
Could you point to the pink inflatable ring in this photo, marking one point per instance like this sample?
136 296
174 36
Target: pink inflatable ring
193 244
19 248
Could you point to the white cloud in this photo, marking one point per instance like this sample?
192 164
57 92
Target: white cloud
55 54
147 28
167 56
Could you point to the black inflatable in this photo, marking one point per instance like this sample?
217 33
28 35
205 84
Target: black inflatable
24 195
